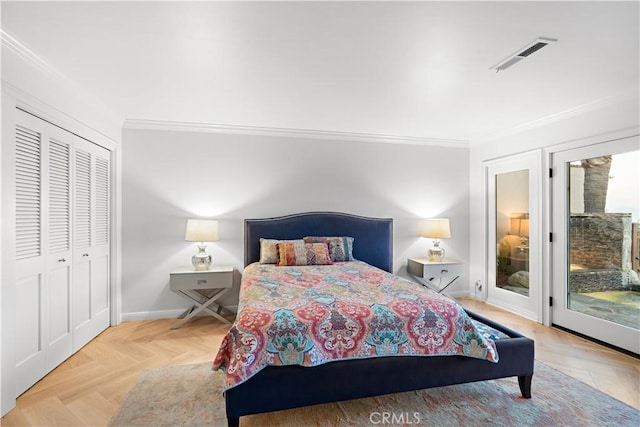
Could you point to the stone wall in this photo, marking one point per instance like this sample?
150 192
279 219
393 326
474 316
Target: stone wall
601 240
601 248
597 281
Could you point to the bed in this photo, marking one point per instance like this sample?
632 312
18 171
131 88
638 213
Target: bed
284 387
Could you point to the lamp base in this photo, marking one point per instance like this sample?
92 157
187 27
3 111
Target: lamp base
436 253
202 260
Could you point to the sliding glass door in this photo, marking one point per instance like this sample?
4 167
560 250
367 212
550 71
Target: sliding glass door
595 208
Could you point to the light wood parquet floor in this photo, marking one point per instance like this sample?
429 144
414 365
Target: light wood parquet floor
87 388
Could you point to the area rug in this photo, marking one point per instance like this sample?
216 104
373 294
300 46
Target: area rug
190 395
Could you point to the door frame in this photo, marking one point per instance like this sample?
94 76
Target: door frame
532 161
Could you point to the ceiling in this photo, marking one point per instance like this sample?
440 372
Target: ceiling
415 69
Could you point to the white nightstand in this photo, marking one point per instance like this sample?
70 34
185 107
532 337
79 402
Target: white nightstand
202 288
428 271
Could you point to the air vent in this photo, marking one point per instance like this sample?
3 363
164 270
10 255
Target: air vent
524 52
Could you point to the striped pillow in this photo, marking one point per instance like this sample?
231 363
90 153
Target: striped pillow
297 252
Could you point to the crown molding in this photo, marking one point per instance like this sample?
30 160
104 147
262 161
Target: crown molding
11 43
38 106
166 125
604 102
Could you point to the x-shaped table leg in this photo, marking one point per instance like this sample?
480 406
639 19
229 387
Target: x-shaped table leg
201 304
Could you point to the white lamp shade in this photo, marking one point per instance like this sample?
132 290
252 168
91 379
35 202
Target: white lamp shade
436 228
201 230
520 224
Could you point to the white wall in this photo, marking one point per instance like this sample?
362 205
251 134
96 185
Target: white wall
169 176
23 70
617 116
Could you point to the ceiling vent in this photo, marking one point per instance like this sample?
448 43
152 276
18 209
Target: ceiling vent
524 52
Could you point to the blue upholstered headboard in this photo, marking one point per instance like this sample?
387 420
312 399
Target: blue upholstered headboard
373 237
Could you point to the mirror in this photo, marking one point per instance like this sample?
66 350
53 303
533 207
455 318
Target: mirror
512 231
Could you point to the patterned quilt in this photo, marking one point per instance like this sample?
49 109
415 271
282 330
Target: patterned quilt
350 310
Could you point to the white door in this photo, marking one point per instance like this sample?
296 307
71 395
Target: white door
29 351
595 208
57 201
91 241
513 221
43 248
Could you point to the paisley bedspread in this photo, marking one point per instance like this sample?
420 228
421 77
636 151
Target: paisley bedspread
349 310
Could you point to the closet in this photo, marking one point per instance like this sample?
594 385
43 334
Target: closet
62 245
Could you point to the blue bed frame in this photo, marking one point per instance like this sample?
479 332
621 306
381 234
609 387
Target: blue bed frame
284 387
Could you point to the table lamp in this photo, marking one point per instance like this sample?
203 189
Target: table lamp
202 231
436 228
520 227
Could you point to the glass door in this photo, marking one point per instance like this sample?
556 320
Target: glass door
513 218
595 208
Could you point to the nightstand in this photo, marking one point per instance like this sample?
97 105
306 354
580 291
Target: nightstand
519 261
428 271
202 288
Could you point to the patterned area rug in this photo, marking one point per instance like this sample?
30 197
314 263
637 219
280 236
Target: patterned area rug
190 395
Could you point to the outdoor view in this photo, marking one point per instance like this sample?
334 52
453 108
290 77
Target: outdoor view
603 238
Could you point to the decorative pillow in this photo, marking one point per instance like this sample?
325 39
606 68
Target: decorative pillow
340 248
297 252
269 251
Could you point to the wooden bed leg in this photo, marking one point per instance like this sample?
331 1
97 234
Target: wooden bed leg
233 422
525 385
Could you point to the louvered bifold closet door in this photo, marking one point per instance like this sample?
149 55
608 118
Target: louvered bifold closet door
59 251
42 249
29 292
92 191
62 192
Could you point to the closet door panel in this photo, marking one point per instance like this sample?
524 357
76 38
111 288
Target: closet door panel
29 297
91 241
82 244
29 354
92 303
58 216
82 201
100 285
28 188
82 293
101 249
29 254
60 292
59 334
59 180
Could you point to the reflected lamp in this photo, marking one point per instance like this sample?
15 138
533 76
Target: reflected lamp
520 227
201 231
436 229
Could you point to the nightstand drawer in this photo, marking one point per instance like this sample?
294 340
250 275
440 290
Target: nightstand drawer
429 269
436 270
201 280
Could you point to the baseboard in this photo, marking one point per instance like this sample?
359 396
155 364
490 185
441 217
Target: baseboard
457 294
163 314
151 315
513 309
